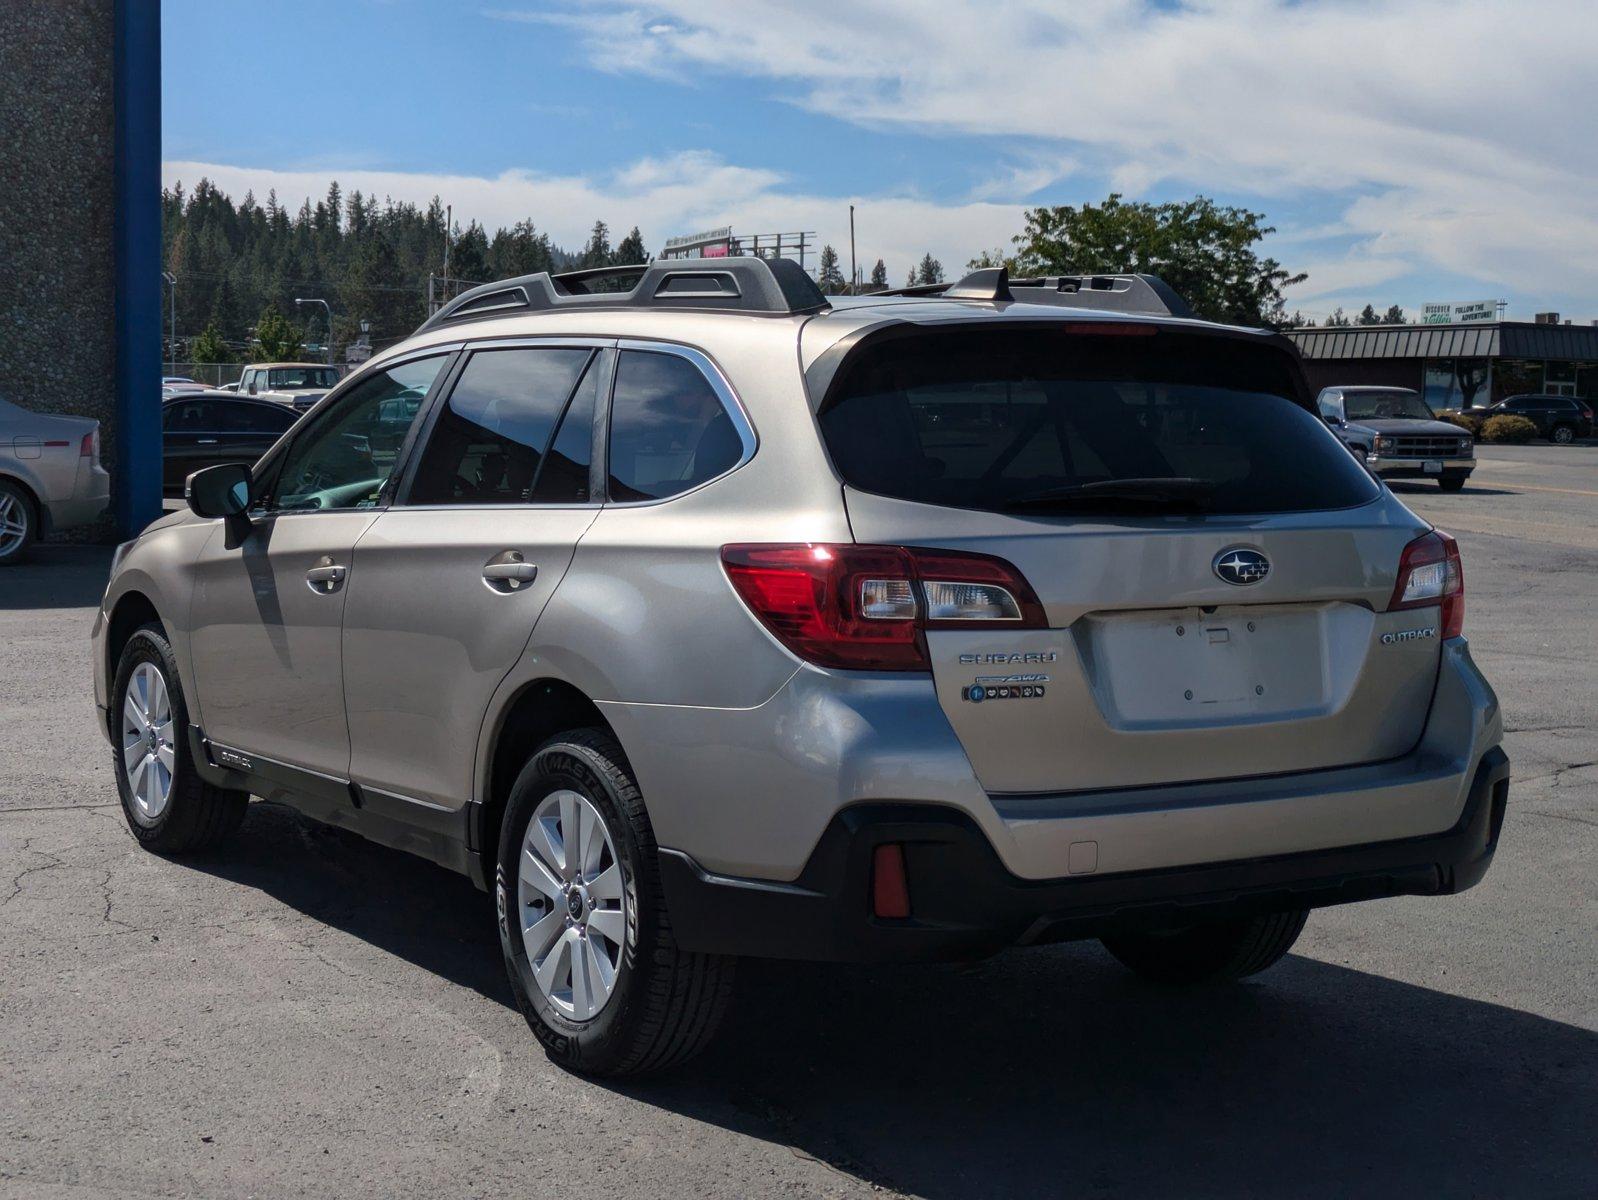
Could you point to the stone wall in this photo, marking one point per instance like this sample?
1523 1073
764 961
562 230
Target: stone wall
57 289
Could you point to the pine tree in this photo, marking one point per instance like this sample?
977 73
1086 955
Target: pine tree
879 275
631 250
930 270
598 252
277 338
830 274
1394 316
1338 320
209 346
1368 316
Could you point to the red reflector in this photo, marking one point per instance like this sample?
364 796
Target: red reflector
890 893
55 445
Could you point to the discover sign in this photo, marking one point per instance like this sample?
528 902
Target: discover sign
1449 314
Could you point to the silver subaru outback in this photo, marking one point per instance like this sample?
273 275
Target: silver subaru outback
712 617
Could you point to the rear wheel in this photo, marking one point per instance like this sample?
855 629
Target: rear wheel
1562 434
1452 483
1213 952
583 923
18 523
169 808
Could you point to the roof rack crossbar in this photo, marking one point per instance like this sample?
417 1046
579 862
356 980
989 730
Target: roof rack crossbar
753 286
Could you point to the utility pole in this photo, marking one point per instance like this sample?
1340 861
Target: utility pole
449 228
172 291
854 271
329 309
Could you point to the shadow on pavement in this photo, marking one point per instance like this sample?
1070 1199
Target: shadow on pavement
1051 1071
57 576
1405 487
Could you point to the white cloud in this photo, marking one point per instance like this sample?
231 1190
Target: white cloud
663 196
1457 125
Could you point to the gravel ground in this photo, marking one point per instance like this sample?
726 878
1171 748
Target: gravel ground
305 1014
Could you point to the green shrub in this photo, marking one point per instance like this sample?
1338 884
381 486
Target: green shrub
1471 425
1505 428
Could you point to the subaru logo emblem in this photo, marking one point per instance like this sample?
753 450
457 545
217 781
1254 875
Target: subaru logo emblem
1240 566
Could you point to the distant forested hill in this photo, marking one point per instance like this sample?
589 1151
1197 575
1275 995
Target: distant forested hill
368 258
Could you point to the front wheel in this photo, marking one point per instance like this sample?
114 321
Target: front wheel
1452 483
583 923
1210 953
169 808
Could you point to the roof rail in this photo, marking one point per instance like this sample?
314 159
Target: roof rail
1115 293
767 287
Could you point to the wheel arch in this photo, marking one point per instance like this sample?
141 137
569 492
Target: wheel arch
533 714
132 610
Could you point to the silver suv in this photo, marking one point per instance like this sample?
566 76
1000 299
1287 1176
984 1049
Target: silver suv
714 618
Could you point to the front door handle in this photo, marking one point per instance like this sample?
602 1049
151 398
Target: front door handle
326 576
509 572
207 441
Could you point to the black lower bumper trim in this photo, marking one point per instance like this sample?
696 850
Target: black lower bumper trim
965 903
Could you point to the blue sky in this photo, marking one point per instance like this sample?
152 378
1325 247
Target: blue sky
1409 151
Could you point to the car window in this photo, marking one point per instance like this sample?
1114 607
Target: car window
346 456
192 416
668 428
489 443
254 418
302 377
992 420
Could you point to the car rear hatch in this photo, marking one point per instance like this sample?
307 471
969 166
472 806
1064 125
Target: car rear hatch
1210 567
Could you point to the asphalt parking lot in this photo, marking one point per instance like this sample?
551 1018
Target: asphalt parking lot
305 1014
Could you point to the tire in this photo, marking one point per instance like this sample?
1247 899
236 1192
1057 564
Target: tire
664 1004
193 815
1562 435
1452 483
19 523
1210 953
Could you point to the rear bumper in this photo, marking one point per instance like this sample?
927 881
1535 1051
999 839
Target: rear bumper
965 903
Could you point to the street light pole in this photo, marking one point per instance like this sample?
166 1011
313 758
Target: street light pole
329 309
172 291
854 271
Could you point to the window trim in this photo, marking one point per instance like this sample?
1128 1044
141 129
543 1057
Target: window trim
272 460
731 403
399 494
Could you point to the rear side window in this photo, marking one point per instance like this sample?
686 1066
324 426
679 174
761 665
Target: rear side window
1040 420
491 439
255 418
669 430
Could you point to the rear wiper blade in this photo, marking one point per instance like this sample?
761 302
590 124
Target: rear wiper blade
1184 493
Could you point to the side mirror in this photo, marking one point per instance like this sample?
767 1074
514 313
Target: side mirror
220 491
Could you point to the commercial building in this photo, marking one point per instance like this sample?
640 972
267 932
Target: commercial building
1458 365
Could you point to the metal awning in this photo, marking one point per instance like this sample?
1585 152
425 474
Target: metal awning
1498 339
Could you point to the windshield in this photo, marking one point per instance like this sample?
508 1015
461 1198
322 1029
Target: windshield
1042 420
302 377
1401 405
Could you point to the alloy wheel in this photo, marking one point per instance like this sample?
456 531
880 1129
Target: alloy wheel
13 523
572 905
148 750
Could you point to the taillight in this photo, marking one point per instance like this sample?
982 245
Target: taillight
866 607
90 446
1430 573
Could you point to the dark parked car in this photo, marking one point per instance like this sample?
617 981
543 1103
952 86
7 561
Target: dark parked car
1560 419
1393 432
206 428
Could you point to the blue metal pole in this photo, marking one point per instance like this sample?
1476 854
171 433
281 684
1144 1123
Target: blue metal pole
136 96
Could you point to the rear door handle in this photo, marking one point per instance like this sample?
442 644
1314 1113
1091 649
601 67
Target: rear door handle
326 576
207 441
509 572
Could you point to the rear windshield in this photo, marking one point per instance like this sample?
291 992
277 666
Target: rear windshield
1042 419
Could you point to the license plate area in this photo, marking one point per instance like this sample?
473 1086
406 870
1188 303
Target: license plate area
1179 668
1432 466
